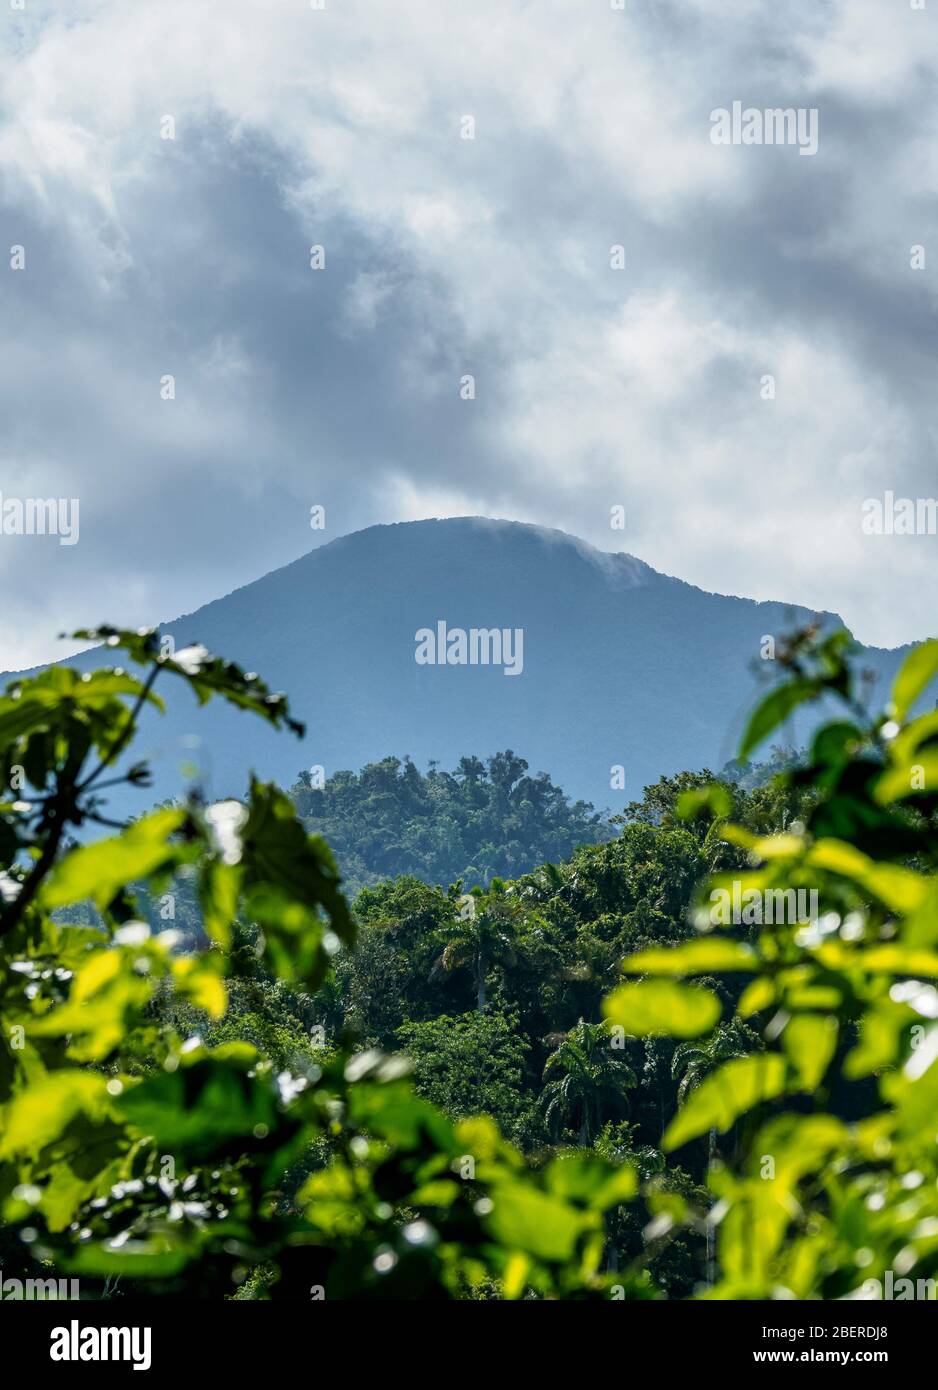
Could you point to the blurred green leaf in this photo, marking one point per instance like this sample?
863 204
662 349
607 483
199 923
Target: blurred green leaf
713 798
708 955
722 1098
662 1008
537 1224
40 1115
202 1110
97 872
773 710
278 854
917 671
809 1041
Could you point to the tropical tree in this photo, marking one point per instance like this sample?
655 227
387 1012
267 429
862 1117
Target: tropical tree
842 998
473 1064
697 1059
586 1083
694 1060
483 936
482 819
133 1147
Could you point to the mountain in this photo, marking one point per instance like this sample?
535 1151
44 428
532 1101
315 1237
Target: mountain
617 665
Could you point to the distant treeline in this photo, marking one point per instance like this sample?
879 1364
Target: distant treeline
484 819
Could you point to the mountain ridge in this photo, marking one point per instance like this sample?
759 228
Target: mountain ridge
590 552
624 667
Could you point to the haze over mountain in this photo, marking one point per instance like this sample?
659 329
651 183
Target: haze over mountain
622 666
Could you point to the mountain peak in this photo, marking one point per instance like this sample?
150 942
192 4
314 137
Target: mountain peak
397 639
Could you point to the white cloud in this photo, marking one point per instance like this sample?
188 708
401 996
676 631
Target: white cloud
489 256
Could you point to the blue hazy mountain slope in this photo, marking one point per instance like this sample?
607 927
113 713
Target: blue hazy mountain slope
621 665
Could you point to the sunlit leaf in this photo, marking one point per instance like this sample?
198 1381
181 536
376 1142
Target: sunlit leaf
533 1222
97 872
917 671
662 1008
919 776
38 1116
809 1041
709 955
713 798
731 1091
899 888
773 710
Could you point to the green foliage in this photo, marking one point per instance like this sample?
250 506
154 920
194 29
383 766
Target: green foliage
470 1065
727 1093
230 1120
586 1082
836 997
483 820
663 1008
251 1157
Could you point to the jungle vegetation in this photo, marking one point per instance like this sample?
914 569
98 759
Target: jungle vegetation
560 1082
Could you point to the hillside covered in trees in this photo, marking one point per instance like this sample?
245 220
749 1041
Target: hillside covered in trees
498 1008
485 818
577 1082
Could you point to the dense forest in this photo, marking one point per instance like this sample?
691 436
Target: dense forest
219 1078
498 1009
482 820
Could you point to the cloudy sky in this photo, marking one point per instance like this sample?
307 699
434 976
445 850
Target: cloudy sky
343 127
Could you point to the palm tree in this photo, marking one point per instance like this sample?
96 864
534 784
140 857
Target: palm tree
586 1081
697 1059
482 936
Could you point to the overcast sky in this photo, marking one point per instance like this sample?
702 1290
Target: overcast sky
445 256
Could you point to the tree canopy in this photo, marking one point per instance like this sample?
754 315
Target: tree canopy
485 819
573 1083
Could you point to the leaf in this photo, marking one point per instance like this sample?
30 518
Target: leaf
902 890
709 955
713 798
62 703
759 994
662 1008
916 672
219 888
798 1143
835 743
96 1025
916 733
524 1219
886 957
590 1181
881 1032
40 1115
390 1111
201 1110
773 711
809 1041
19 717
292 936
917 777
921 926
728 1093
914 1091
156 1258
206 674
197 979
279 853
98 872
